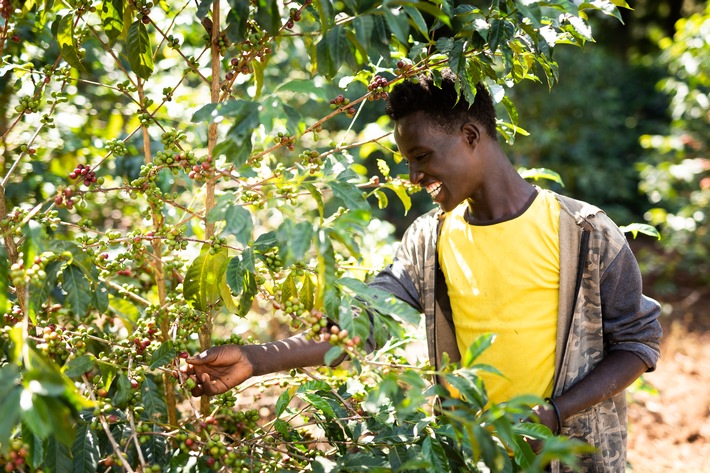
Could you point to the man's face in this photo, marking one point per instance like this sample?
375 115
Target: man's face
442 163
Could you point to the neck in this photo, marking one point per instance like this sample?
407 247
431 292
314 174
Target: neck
503 193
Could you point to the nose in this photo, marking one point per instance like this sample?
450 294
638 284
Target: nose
415 175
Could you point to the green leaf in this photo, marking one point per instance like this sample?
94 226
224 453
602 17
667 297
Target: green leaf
481 344
288 288
204 7
636 228
78 290
201 285
362 463
163 355
239 223
226 295
57 458
469 386
85 449
581 27
72 254
246 119
522 452
495 34
99 297
140 52
351 197
417 20
303 87
532 429
282 402
242 281
317 196
10 392
485 443
434 453
331 51
531 11
326 274
282 427
125 310
319 403
308 293
382 200
332 354
323 465
36 448
398 25
153 401
111 15
400 191
78 366
4 281
237 16
67 42
35 413
301 240
124 391
268 16
541 173
512 111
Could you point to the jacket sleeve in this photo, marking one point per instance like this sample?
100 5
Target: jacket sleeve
630 319
395 280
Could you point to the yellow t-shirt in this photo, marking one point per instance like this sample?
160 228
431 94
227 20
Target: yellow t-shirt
504 278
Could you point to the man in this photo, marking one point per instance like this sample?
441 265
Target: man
553 277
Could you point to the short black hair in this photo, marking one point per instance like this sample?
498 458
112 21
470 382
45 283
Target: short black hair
447 108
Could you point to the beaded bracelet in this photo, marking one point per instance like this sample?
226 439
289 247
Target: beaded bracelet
557 414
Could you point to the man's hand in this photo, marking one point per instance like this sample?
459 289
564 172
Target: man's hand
547 417
218 369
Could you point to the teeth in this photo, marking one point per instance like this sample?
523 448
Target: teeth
434 189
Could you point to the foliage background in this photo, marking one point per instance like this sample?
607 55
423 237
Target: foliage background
98 276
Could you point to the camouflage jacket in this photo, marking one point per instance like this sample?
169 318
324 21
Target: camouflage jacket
601 309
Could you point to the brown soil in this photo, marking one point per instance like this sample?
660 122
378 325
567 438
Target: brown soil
669 429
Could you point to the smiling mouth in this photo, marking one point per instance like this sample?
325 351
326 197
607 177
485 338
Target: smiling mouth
434 189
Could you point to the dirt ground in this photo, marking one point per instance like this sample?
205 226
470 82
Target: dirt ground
669 429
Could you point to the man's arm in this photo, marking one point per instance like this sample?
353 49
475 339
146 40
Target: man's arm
611 376
219 369
632 336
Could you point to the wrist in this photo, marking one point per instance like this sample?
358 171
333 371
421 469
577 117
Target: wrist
558 416
251 355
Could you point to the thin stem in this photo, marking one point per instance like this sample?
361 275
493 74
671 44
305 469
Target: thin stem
134 435
205 335
114 445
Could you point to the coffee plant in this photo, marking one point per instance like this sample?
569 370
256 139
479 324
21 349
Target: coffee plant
172 169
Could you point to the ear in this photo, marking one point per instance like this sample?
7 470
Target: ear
471 133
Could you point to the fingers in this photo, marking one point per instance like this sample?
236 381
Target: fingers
200 359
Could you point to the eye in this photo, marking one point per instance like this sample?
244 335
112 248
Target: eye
421 157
